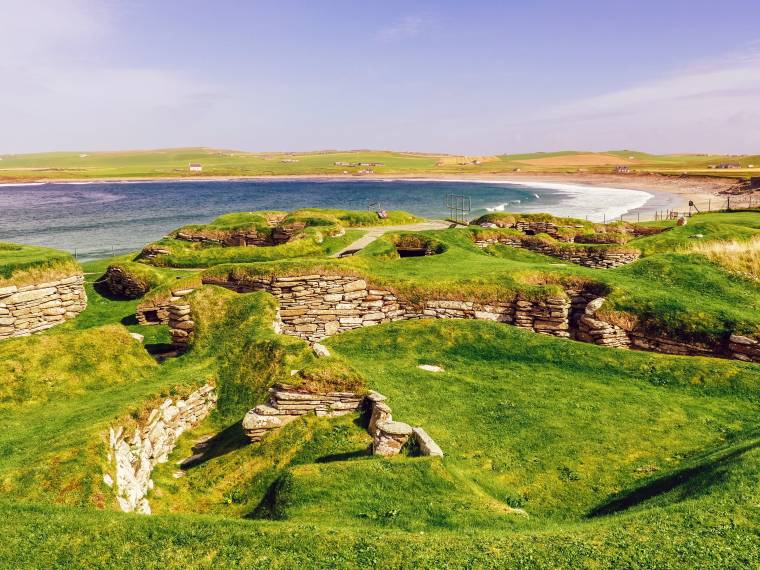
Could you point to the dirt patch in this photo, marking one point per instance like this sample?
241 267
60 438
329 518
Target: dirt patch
589 159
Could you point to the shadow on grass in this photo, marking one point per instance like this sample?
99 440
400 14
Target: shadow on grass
226 441
129 320
347 456
709 471
267 509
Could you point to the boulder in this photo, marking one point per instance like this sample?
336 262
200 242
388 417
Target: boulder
320 350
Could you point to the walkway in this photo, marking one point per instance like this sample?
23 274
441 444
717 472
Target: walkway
375 232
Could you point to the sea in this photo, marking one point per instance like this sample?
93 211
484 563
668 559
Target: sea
100 219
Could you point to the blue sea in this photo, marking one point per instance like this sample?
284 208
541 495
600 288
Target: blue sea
102 218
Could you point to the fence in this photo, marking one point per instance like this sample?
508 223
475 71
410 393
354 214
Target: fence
727 204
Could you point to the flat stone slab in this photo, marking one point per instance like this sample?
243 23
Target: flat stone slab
430 368
395 428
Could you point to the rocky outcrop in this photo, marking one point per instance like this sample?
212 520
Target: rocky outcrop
133 458
595 257
123 284
34 308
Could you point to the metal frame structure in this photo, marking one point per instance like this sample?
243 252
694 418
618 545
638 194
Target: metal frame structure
459 205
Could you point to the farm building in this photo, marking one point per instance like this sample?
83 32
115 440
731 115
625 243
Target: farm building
195 167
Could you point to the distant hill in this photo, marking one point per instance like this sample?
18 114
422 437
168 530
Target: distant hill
209 162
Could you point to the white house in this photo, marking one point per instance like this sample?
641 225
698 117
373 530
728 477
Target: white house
195 167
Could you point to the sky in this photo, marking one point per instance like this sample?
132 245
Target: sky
475 77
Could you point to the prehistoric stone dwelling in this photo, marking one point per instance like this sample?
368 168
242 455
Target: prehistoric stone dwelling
313 307
34 308
124 284
131 458
287 403
589 256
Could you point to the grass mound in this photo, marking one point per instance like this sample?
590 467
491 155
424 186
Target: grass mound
250 237
29 264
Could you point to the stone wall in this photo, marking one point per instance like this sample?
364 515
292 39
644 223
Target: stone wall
34 308
313 307
744 348
157 312
591 328
133 458
121 283
286 403
595 257
250 237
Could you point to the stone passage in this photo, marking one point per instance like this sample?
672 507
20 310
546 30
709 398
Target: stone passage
157 313
134 458
588 256
313 307
591 328
34 308
287 403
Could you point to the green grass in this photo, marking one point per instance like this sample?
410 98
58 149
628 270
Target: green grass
186 254
319 232
560 429
683 295
26 264
619 458
221 162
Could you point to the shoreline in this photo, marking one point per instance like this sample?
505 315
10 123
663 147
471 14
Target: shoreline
688 187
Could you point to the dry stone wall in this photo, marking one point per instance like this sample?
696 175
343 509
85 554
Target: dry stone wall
133 458
594 257
122 284
34 308
313 307
287 403
591 328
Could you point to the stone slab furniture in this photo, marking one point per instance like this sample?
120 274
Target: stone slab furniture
34 308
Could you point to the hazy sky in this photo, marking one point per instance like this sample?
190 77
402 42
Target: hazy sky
470 77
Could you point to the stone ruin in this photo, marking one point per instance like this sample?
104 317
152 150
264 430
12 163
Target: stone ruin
287 403
133 458
34 308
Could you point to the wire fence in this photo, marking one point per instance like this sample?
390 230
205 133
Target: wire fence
727 204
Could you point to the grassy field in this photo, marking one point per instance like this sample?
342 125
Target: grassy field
217 162
557 453
620 460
